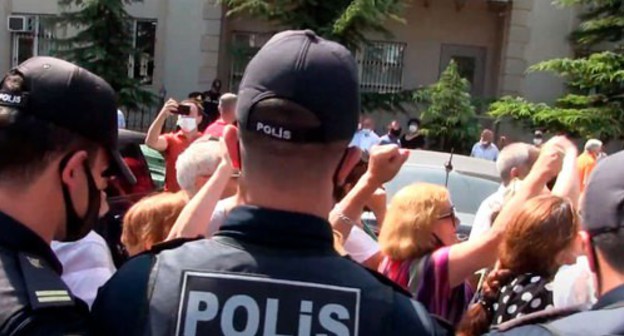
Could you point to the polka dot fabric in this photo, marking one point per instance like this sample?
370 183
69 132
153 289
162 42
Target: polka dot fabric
525 294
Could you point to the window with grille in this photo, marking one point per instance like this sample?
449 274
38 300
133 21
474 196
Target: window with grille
381 66
141 65
243 48
36 40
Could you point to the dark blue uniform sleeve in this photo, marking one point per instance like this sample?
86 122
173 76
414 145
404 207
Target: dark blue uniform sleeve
418 323
121 305
528 330
48 321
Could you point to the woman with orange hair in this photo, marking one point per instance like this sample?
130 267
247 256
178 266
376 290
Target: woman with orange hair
540 239
149 221
418 238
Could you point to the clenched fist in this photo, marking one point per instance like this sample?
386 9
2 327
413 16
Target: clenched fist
384 162
550 160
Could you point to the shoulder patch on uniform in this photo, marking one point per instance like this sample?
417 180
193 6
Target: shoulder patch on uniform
539 317
44 286
214 303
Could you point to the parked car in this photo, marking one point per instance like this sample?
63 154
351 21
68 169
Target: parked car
122 195
156 163
470 181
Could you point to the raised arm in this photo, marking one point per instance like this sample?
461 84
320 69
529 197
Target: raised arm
153 138
568 184
197 213
385 162
468 257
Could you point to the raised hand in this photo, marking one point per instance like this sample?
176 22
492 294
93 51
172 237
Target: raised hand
385 161
170 107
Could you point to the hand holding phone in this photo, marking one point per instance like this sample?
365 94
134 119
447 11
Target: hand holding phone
182 110
170 107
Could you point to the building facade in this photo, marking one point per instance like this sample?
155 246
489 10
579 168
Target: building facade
188 43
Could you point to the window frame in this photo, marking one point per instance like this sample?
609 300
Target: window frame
238 69
38 34
136 58
384 81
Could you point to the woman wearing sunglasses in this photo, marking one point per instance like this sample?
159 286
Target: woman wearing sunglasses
418 237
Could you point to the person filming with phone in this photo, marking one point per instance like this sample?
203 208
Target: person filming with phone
171 145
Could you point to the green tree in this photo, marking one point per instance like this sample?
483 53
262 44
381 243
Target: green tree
344 21
450 119
593 106
103 45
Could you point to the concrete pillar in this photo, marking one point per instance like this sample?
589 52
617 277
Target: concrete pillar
517 38
5 36
210 43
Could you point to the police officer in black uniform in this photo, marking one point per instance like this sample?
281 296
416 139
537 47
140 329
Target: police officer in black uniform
58 131
603 232
272 268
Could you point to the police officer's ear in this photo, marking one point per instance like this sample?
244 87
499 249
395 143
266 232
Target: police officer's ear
72 169
351 158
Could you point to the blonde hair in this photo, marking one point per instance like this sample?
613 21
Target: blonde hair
407 229
227 100
149 221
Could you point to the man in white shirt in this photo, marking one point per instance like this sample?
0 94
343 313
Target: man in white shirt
365 137
87 265
121 119
485 149
515 162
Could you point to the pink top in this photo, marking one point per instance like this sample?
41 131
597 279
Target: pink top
431 286
216 128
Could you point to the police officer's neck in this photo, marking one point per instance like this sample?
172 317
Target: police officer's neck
609 277
306 200
38 206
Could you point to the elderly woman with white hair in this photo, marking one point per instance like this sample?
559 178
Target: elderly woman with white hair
205 173
197 163
587 161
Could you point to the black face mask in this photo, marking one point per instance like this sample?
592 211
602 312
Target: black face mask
76 227
396 132
338 186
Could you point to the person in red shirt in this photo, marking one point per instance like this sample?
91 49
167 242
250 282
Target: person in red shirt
171 145
227 109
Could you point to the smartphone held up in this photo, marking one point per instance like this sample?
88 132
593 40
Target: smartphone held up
182 110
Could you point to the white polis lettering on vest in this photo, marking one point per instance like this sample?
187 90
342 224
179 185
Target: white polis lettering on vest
10 99
276 132
228 304
203 307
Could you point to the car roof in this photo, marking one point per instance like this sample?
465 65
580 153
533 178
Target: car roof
127 137
461 164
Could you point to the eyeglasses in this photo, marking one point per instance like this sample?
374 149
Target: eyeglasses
451 214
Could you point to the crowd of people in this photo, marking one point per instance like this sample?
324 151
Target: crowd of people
260 230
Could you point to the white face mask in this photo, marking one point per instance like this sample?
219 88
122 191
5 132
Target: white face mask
537 141
187 125
413 128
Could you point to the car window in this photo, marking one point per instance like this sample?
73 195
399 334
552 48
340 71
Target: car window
133 157
467 192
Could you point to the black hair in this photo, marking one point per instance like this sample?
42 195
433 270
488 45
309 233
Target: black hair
413 121
194 95
28 144
611 247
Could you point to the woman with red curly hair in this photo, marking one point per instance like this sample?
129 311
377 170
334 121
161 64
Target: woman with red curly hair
541 238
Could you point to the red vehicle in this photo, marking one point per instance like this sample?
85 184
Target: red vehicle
122 195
